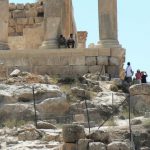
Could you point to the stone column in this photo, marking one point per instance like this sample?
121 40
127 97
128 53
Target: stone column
82 35
4 15
108 31
52 12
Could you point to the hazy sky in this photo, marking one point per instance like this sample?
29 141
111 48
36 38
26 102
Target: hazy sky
133 27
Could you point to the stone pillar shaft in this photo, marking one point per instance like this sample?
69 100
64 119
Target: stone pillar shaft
108 31
4 15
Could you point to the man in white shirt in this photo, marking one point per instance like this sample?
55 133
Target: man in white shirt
128 73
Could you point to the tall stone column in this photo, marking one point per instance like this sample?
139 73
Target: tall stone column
4 15
52 14
108 31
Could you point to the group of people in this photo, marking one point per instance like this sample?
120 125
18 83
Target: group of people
69 43
140 76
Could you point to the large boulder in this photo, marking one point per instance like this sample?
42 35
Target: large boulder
72 133
97 146
118 146
99 136
140 97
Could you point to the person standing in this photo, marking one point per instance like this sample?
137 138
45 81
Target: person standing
144 76
128 73
138 76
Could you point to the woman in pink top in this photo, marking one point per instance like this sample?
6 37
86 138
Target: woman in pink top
138 76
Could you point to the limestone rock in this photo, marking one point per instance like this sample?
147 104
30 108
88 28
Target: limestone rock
72 133
15 73
99 136
45 125
140 89
83 144
69 146
97 146
118 146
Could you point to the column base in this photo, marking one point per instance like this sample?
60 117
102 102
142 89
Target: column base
4 46
50 44
109 44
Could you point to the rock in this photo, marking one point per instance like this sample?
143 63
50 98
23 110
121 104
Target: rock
72 133
97 146
109 98
140 89
51 137
136 121
15 73
117 81
83 144
145 148
81 93
69 146
99 136
118 146
45 125
29 135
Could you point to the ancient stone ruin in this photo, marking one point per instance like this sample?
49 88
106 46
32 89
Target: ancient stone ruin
31 31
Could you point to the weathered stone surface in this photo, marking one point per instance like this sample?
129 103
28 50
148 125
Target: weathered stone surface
118 146
83 144
114 61
97 146
15 73
20 6
72 133
102 60
45 125
140 89
90 61
68 146
100 136
12 6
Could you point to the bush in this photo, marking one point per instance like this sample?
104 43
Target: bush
66 80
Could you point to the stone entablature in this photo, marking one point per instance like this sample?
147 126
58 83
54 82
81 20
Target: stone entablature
64 62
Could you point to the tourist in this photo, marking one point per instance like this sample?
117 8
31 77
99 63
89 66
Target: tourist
128 73
138 77
143 76
71 41
62 41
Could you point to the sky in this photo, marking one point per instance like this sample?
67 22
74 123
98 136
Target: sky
133 28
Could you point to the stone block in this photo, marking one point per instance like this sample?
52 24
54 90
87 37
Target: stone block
83 144
58 60
114 61
22 21
79 70
69 146
113 71
90 61
11 30
31 21
40 9
97 146
104 51
12 22
19 14
79 118
31 13
20 6
102 60
118 145
77 60
91 52
38 19
97 68
72 133
27 6
12 6
19 28
117 52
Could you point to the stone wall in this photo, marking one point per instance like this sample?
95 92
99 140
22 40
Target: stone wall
64 62
27 20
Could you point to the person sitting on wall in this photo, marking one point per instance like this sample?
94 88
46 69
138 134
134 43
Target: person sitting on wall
71 41
62 41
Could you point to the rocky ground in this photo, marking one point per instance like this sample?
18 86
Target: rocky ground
65 105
